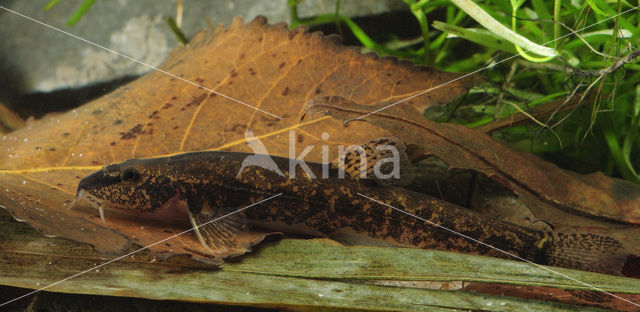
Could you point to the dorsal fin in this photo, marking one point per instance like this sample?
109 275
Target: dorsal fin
383 160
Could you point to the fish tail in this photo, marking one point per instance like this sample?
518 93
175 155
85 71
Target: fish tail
585 251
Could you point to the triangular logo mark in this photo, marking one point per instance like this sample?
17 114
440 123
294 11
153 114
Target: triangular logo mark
261 157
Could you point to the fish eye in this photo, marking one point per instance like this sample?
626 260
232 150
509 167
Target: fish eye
110 170
130 175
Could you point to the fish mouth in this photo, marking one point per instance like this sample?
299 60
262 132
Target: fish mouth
95 202
95 180
102 205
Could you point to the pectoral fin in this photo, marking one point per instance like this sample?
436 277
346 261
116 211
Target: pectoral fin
224 235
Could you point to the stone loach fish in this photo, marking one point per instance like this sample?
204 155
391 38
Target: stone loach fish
201 186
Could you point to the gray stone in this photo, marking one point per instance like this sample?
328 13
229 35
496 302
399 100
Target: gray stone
35 58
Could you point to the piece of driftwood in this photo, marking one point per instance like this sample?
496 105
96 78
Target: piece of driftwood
301 274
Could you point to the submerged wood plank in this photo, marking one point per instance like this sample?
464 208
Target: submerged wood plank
300 274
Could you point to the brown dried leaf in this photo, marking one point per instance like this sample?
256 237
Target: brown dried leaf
270 67
524 173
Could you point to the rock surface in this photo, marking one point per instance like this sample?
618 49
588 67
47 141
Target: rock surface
35 58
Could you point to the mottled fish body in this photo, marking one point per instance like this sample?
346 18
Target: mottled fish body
203 186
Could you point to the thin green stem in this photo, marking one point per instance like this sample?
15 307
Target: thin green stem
338 24
557 6
424 27
177 31
293 13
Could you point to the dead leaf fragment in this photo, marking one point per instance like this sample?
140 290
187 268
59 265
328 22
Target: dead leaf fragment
270 67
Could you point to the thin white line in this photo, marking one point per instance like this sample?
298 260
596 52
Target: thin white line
138 61
500 250
488 66
138 250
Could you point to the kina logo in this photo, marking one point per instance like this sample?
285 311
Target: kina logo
261 156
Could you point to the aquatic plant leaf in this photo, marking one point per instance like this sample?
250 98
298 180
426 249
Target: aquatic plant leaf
270 67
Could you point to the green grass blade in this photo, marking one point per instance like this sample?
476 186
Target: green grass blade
479 36
50 4
177 32
80 12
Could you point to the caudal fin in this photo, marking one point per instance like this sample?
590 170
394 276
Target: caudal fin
587 252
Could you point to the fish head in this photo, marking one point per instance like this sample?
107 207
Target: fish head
136 184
